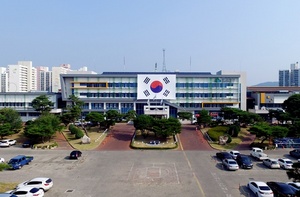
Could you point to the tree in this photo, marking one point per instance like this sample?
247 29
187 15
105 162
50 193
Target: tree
204 118
294 173
292 106
95 118
5 130
42 104
11 117
166 127
185 115
74 109
43 128
143 123
130 115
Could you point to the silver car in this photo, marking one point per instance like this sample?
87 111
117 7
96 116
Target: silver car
230 164
271 163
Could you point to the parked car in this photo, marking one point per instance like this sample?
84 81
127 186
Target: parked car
294 185
75 154
234 153
281 189
230 164
2 160
285 163
19 161
12 142
260 189
271 163
4 143
40 182
27 144
244 161
295 153
223 155
258 154
27 191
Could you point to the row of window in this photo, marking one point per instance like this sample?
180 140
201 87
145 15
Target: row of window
178 85
203 95
15 104
108 95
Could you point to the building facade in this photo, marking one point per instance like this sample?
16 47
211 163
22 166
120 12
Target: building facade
156 93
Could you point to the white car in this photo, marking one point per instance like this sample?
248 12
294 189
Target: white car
12 142
230 164
27 191
271 163
294 185
285 163
40 182
4 143
234 153
260 189
2 160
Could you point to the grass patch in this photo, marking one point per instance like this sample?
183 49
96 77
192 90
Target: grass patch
235 141
94 134
140 142
4 187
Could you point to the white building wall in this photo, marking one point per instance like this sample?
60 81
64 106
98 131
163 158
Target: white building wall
14 78
56 71
3 79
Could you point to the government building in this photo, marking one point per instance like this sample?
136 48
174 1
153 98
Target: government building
161 94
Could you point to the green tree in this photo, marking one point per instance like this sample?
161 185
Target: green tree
292 106
74 109
143 123
5 130
185 115
294 173
95 118
43 128
11 117
42 104
204 118
166 127
131 114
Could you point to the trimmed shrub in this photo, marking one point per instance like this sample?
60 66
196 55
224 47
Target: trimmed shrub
229 139
79 134
215 132
234 130
3 166
72 128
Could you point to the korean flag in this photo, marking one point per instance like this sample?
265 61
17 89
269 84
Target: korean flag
156 87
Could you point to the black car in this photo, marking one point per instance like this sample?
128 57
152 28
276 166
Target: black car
223 155
244 161
27 144
75 154
295 153
281 189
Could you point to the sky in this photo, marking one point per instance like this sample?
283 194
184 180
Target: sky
252 36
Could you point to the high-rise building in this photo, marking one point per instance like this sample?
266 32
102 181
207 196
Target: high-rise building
3 80
44 79
56 71
22 77
284 78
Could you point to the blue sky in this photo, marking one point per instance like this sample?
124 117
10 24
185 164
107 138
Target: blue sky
256 37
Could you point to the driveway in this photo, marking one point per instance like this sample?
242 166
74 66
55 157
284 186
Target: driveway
192 139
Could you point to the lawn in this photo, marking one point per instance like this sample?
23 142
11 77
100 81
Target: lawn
235 141
96 136
7 186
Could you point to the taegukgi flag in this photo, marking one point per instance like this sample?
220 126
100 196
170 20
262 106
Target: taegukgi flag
156 86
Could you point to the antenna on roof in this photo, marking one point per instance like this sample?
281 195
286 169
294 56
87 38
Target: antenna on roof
155 69
164 62
124 63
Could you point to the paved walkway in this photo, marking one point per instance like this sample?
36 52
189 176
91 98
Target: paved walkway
246 142
62 142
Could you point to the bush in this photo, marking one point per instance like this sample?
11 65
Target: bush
229 139
3 166
216 132
79 134
258 145
72 128
234 130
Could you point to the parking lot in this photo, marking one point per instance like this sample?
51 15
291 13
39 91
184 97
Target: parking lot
139 173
